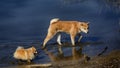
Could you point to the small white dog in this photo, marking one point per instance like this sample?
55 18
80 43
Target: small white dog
70 27
25 54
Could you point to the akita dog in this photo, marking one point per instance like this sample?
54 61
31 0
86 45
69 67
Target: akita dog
25 54
70 27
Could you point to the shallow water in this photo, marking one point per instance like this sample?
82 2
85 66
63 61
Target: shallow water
25 23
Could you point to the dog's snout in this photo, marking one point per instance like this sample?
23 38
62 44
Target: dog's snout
87 31
36 53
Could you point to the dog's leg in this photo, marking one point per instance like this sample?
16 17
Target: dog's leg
72 39
48 37
60 50
80 37
59 39
29 61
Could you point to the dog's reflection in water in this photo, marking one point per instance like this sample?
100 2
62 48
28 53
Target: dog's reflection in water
76 55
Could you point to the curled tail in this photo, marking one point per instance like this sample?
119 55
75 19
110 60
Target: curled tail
19 47
54 20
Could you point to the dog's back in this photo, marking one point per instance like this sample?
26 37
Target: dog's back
20 53
63 26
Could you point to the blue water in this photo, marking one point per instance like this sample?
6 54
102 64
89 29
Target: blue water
25 23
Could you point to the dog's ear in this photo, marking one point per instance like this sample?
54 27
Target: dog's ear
88 23
33 46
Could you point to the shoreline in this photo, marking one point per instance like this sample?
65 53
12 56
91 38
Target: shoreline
111 60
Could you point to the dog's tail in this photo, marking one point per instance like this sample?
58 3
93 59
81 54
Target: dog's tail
54 20
19 47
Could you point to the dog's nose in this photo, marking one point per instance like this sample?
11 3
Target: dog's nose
88 32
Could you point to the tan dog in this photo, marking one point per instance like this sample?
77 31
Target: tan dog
25 54
70 27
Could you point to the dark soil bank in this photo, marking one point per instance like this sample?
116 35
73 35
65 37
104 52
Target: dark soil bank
112 60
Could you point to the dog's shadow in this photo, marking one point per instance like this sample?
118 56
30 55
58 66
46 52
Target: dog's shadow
76 54
20 62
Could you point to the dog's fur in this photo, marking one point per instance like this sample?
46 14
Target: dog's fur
70 27
25 54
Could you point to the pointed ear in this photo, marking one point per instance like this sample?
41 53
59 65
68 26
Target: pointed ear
88 23
32 46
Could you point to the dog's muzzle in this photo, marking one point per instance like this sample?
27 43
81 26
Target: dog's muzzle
87 32
35 53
